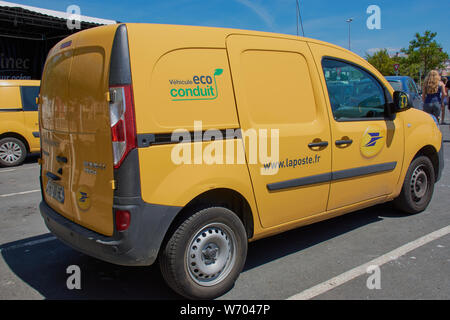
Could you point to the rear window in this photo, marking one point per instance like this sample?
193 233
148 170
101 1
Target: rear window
397 85
29 95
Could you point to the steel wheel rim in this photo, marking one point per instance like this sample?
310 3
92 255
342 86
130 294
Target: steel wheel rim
419 183
10 152
210 256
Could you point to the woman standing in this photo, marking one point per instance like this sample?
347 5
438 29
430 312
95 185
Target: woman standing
432 90
444 98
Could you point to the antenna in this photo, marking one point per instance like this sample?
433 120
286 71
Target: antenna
299 17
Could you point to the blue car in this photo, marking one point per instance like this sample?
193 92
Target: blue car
407 84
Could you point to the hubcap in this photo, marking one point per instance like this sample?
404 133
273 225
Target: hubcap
211 254
10 152
419 183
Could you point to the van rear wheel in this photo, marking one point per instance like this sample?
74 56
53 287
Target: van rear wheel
205 254
12 152
418 186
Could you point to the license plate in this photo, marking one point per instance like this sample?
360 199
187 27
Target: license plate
55 191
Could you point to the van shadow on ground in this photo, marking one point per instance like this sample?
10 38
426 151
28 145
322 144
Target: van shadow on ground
43 265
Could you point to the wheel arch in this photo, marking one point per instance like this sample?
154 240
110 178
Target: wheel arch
223 197
430 152
17 136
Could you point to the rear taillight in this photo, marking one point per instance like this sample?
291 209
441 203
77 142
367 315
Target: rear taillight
123 127
123 219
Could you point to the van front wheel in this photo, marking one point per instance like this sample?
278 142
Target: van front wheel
12 152
205 254
418 186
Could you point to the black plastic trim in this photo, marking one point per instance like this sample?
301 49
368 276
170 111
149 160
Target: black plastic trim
362 171
11 110
52 176
148 139
300 182
332 176
137 246
120 69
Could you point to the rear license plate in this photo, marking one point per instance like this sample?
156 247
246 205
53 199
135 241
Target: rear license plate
55 191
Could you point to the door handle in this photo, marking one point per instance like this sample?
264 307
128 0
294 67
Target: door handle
318 144
343 142
61 159
52 176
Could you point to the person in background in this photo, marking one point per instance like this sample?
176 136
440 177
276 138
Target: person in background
433 88
444 98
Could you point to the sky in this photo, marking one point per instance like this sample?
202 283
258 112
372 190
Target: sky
322 19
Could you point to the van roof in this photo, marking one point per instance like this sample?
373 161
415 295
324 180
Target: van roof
210 33
13 83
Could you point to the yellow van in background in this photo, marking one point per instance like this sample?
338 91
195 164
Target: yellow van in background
148 145
19 127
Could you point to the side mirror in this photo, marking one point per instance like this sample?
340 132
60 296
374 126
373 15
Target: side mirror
402 102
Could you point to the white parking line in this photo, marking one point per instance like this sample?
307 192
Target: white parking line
20 168
18 193
358 271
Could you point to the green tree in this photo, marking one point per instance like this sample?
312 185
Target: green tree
424 53
382 61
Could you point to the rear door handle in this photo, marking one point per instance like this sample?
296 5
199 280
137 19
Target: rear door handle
343 142
61 159
52 176
318 144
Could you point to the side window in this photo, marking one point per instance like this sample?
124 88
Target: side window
354 93
29 95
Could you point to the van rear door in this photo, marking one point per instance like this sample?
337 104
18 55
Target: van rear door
75 115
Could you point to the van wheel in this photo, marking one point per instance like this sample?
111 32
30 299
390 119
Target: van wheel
418 186
12 152
205 254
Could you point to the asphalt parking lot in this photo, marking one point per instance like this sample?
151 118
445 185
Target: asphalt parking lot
319 261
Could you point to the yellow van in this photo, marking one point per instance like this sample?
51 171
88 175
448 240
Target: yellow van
19 128
180 144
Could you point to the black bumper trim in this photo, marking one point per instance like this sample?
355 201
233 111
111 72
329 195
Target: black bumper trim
137 246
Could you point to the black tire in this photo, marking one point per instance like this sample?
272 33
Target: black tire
418 186
12 152
208 240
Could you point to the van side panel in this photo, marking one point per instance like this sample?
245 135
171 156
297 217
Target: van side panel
183 83
180 79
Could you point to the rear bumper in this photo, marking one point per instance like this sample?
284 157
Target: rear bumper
137 246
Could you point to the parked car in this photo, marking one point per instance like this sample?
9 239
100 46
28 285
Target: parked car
19 128
407 84
115 101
